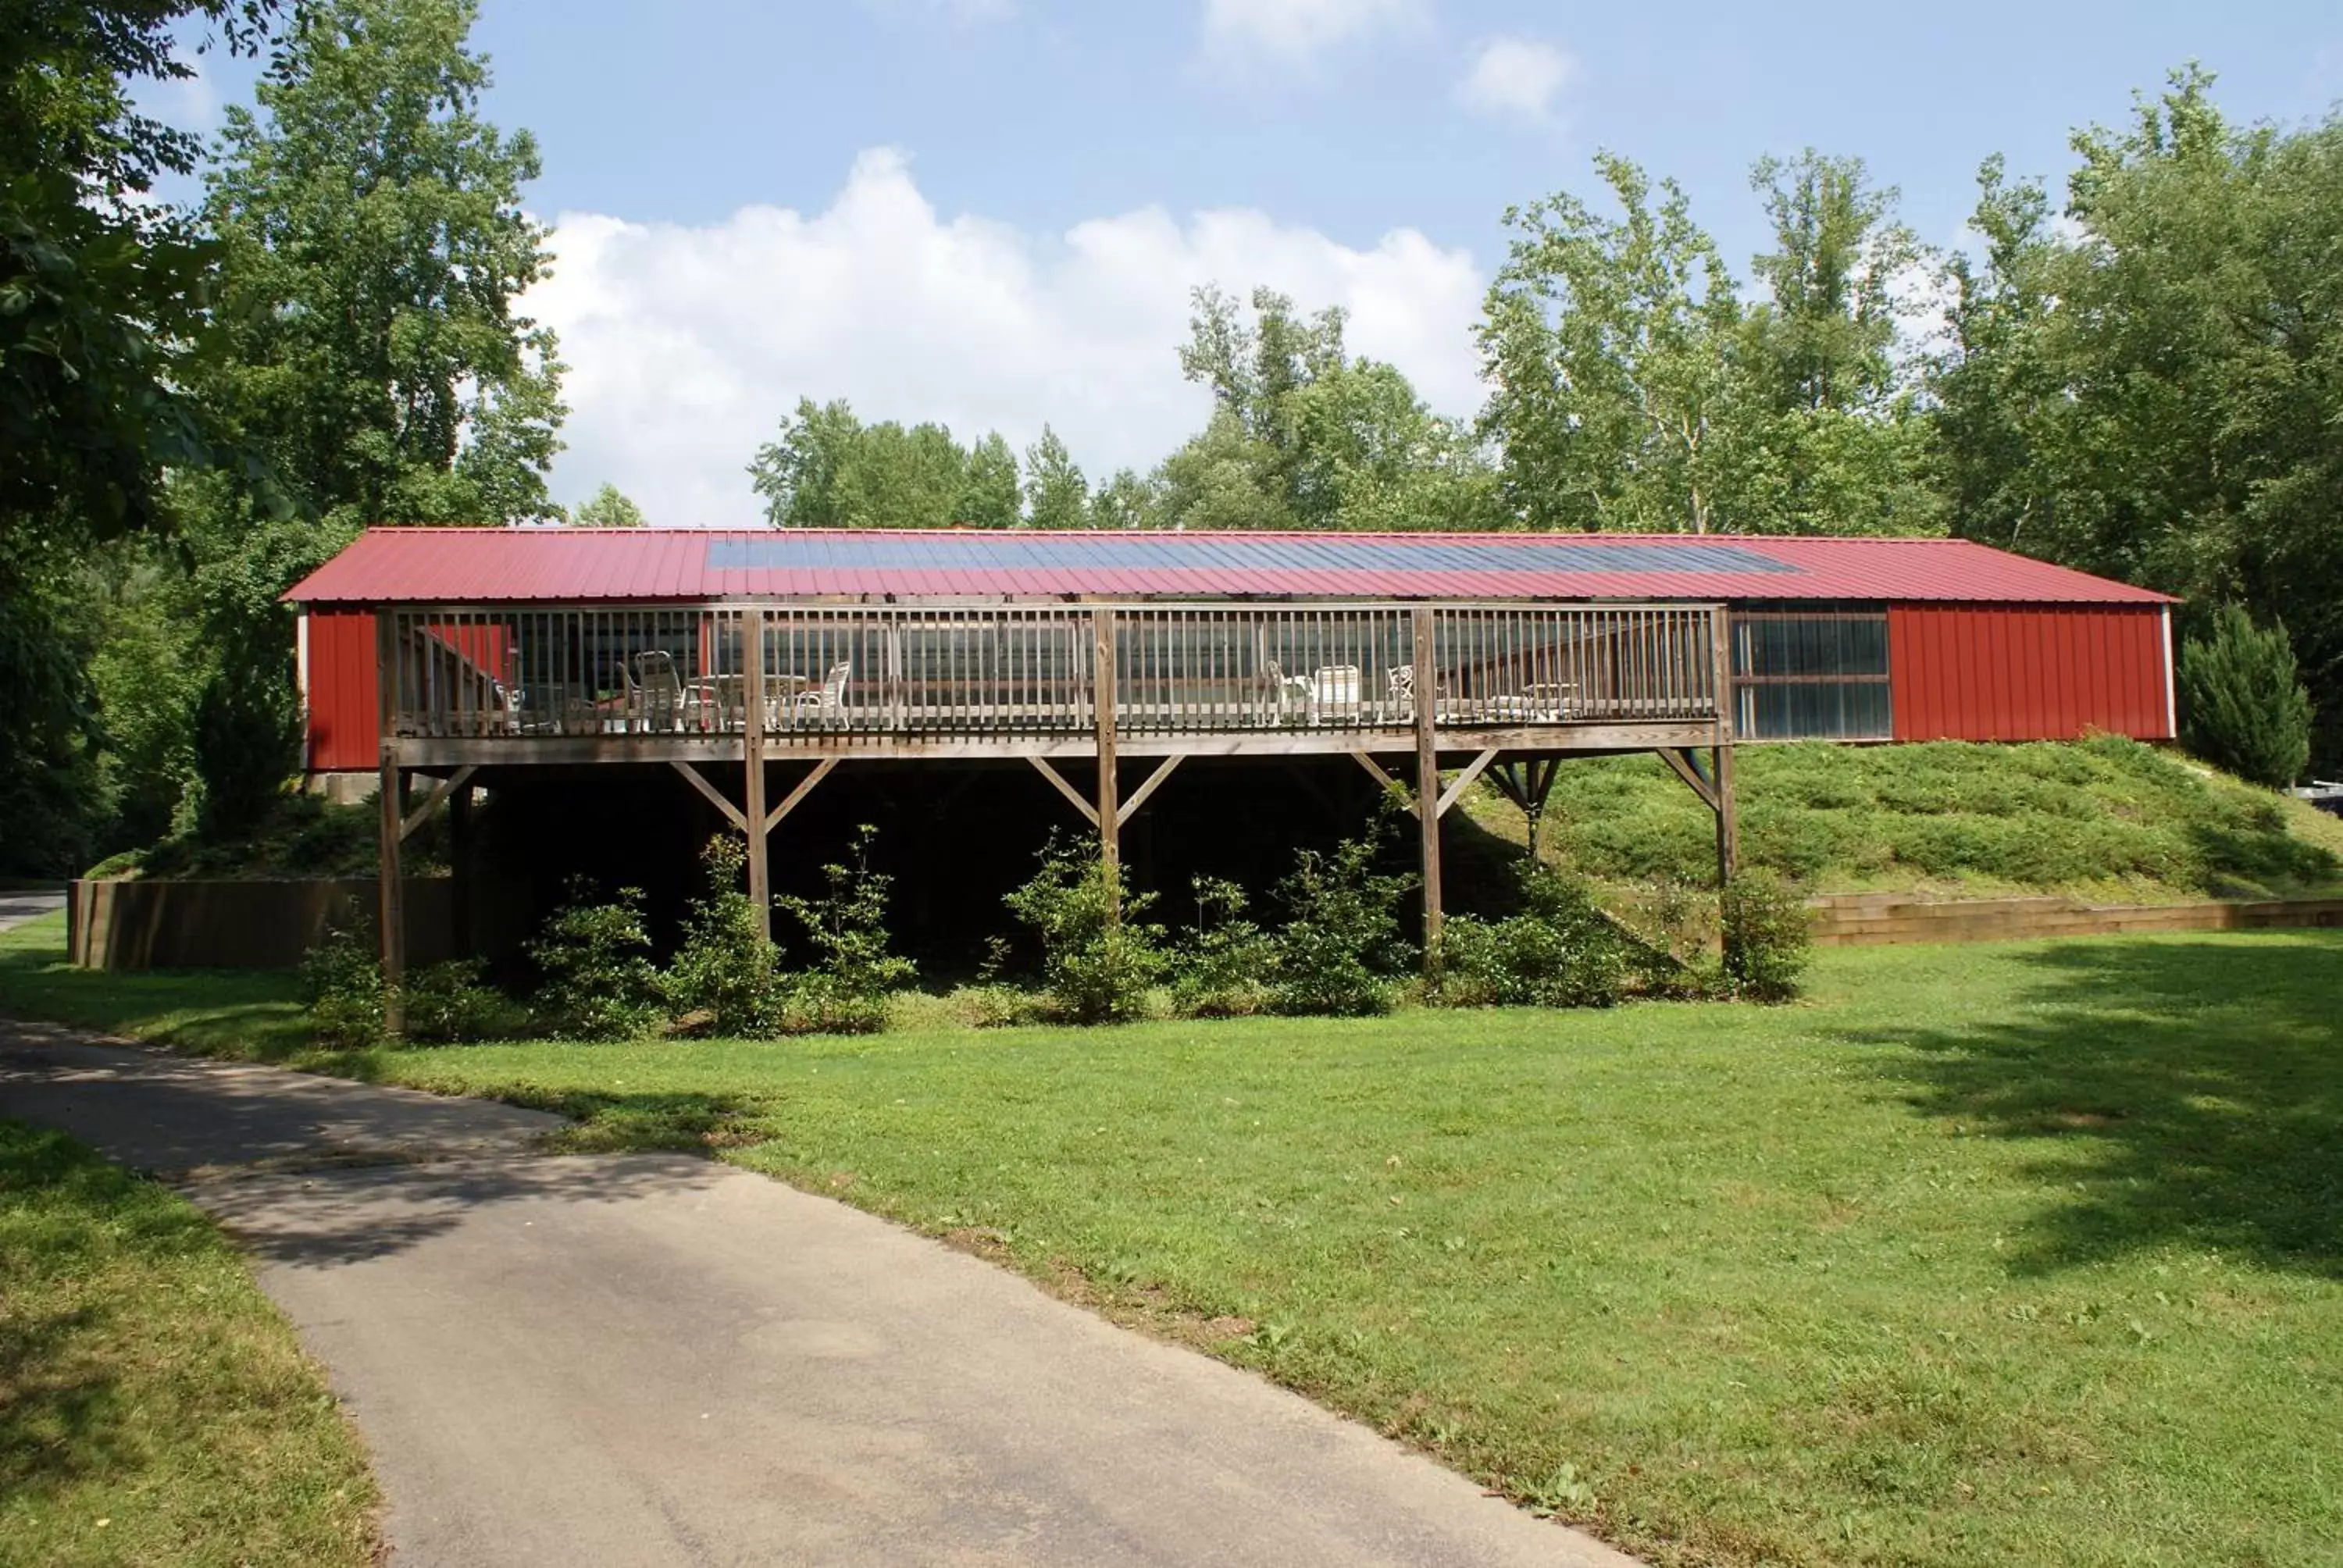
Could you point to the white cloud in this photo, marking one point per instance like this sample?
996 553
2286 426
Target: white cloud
1244 33
687 345
1517 78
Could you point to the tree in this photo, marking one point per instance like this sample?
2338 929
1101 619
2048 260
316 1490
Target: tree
102 326
375 251
827 469
608 507
1613 347
2242 703
989 496
1057 496
1303 435
1126 502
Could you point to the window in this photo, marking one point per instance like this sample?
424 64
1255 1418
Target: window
1811 675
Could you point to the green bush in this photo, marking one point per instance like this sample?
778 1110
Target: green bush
452 1001
2243 706
726 977
341 979
248 743
1768 936
1340 943
1097 967
1221 968
1561 950
845 992
595 958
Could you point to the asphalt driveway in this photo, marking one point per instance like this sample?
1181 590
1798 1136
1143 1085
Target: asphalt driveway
653 1359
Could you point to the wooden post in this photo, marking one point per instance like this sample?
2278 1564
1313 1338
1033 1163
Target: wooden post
392 912
1427 781
753 760
460 866
1102 700
1728 813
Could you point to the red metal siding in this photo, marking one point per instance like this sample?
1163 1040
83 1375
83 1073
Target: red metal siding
345 718
2027 672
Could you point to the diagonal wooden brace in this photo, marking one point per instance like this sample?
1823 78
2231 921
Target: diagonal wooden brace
1689 770
1139 795
1089 811
805 787
732 814
1450 796
439 791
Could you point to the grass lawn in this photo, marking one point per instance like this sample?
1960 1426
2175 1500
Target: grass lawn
154 1407
2008 1254
2108 819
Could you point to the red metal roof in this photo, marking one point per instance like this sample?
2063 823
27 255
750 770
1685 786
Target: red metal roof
498 566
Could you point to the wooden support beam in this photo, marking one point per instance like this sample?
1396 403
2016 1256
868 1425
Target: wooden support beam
392 910
1688 768
1108 815
1082 803
753 760
1427 782
698 781
439 791
1728 810
804 788
1376 768
460 868
1463 780
1130 807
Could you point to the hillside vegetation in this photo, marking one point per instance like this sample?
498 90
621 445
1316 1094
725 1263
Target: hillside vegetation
2106 818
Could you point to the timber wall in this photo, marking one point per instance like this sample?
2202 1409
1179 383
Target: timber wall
1866 919
132 924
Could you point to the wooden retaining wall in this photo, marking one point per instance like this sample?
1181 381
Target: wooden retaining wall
113 923
1865 919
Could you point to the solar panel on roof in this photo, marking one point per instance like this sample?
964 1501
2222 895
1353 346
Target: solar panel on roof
1012 552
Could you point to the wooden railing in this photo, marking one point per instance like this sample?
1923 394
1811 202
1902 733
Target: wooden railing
479 671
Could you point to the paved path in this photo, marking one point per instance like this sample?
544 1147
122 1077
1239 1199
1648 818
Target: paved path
16 908
651 1359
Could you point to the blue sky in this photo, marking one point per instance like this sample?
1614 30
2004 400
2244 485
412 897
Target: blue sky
990 211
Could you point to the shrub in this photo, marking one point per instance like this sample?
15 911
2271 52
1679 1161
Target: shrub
1561 950
1673 953
2242 700
1097 967
1221 968
595 957
1342 939
248 743
846 989
726 977
452 1001
342 981
1768 936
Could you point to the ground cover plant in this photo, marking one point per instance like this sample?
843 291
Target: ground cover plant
154 1407
2018 1253
2106 818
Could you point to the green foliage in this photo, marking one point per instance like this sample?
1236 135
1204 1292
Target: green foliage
247 745
1767 934
2107 817
1222 966
49 734
1057 496
376 252
1099 959
594 958
726 977
827 469
608 507
845 990
1559 951
341 980
452 1002
1340 943
2242 705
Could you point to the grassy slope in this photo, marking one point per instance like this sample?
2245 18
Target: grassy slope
2023 1254
154 1407
2107 818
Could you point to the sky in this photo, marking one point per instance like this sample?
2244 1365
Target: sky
989 213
